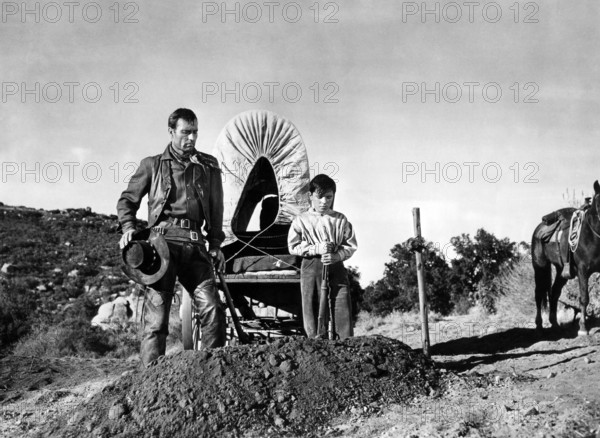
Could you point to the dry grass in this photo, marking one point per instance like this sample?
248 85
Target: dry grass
517 289
406 327
517 299
78 338
515 307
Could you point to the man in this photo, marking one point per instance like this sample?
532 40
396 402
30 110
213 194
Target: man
185 195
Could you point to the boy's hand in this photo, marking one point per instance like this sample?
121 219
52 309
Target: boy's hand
330 259
324 247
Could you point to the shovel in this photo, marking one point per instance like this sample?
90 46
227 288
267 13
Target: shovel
243 337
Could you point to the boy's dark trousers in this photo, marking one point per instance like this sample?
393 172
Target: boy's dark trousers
311 274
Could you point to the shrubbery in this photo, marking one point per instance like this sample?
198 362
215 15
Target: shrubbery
355 289
451 286
16 307
68 333
478 262
50 260
398 289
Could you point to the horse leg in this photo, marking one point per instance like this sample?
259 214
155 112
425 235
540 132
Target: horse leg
559 282
584 300
543 279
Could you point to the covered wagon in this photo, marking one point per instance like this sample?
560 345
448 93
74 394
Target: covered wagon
265 184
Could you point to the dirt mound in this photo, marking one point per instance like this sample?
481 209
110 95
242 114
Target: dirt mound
292 386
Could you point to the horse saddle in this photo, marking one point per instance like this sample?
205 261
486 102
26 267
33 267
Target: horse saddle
555 223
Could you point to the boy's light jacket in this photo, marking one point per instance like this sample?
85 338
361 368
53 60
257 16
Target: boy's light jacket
312 227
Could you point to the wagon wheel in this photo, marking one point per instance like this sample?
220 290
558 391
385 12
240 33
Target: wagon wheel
190 324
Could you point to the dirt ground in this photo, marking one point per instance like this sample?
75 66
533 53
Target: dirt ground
504 380
500 378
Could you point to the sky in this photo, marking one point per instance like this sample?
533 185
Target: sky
481 114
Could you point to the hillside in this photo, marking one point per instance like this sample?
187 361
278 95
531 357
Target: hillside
54 265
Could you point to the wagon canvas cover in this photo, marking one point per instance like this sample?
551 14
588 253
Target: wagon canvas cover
265 169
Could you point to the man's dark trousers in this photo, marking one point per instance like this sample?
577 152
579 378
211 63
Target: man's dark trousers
311 274
190 264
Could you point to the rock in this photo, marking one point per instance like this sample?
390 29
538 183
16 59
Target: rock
273 360
68 243
116 411
551 375
204 355
73 273
8 268
587 360
113 314
76 418
286 366
531 411
309 348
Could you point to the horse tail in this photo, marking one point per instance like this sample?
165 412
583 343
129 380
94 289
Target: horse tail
542 268
545 301
543 282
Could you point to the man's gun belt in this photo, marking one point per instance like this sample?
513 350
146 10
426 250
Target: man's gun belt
180 229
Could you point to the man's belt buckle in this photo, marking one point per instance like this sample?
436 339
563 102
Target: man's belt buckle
184 223
193 236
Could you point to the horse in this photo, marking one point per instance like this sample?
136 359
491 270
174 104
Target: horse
585 260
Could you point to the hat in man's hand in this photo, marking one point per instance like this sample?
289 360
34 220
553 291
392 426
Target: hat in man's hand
146 257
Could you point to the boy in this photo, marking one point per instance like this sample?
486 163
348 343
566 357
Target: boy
324 238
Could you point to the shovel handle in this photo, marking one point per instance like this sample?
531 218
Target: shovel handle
243 337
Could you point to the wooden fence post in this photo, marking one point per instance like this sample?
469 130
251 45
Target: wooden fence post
421 282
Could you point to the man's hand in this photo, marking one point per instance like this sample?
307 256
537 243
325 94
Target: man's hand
126 238
323 247
330 259
219 259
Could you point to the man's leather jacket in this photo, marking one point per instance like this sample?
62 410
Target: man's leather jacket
153 178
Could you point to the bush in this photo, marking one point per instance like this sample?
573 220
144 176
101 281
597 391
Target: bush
479 262
461 305
398 289
16 307
381 300
355 290
516 286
